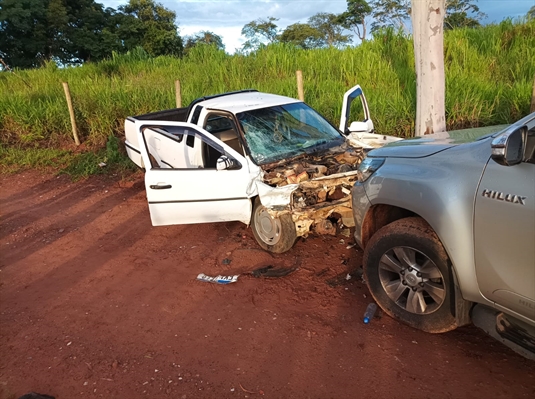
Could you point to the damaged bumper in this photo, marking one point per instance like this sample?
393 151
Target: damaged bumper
360 204
316 190
322 205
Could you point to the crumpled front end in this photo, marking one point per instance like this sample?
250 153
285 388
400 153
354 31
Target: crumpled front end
314 189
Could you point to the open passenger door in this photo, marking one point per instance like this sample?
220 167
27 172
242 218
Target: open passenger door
360 131
364 124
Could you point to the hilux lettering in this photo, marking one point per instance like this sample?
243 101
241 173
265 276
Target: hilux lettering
497 195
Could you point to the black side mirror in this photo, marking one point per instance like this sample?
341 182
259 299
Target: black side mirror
508 148
226 163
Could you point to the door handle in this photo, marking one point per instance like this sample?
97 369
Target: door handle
158 187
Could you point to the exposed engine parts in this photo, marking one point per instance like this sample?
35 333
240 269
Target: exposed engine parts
321 200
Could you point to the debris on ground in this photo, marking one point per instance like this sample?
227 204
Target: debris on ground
218 279
338 280
34 395
270 271
370 312
244 389
357 272
345 232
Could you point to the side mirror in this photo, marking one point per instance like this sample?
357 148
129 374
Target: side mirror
226 163
508 148
357 127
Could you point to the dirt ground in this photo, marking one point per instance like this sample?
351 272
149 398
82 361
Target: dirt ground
95 302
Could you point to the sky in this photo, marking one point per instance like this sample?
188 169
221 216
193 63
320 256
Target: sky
226 18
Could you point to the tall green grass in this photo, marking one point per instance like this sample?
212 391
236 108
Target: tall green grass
75 163
489 77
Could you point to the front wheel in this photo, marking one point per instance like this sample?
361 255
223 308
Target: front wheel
274 234
408 273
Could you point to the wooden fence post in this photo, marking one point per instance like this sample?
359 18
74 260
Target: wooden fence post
71 112
300 91
178 94
532 108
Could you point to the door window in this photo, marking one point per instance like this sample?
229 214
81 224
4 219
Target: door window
223 127
167 148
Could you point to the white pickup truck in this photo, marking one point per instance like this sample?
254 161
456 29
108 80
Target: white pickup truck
262 159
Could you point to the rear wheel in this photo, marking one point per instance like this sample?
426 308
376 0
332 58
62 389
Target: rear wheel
274 234
408 273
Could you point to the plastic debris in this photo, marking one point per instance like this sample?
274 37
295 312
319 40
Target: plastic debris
370 312
102 164
218 279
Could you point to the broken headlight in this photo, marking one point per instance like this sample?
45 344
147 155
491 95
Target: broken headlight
368 167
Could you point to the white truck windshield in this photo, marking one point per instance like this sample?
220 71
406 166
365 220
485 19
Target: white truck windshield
285 131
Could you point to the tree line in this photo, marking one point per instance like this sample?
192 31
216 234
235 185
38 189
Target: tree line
361 16
76 31
33 32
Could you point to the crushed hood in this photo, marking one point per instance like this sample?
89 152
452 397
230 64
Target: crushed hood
314 188
340 159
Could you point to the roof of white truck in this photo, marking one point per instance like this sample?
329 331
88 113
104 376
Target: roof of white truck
241 102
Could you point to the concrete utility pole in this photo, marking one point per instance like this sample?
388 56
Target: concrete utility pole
428 32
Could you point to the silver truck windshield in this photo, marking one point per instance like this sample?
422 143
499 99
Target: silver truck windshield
284 131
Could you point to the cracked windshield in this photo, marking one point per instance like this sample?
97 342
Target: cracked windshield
285 131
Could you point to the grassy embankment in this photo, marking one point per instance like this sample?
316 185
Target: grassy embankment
489 77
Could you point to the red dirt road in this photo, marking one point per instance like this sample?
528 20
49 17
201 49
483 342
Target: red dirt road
95 302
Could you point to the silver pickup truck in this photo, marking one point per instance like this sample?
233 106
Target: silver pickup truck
448 221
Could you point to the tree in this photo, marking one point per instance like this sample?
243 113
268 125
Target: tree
204 38
531 13
457 14
24 31
57 42
90 34
329 25
149 25
76 31
66 31
259 32
390 13
302 35
428 33
354 18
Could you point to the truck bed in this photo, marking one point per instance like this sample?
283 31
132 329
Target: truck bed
131 141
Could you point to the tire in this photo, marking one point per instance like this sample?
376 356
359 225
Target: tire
409 275
275 235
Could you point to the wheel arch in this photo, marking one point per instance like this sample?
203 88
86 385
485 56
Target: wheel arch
380 215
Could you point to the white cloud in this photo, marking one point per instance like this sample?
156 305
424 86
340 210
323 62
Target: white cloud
231 35
227 18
